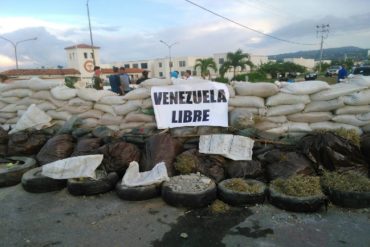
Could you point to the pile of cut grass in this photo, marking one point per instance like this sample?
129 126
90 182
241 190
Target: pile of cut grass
219 207
349 182
185 164
240 185
299 185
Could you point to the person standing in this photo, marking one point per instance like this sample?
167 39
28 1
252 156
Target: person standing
125 80
115 82
97 81
143 77
187 75
342 74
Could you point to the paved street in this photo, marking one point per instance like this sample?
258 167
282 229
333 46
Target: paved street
59 219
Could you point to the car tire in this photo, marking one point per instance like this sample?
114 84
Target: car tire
13 175
296 204
138 193
347 199
91 186
33 181
189 199
236 198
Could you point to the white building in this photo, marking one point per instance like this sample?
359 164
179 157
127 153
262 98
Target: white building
308 63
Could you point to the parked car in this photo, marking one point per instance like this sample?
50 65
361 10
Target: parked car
310 76
363 70
332 70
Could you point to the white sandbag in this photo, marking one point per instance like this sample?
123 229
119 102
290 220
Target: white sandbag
59 115
12 120
91 114
336 90
134 178
109 119
112 100
2 120
80 102
231 90
2 104
75 167
92 94
63 92
304 87
75 109
364 116
310 117
366 128
298 127
353 109
276 119
128 107
14 85
32 118
350 119
147 103
323 106
259 89
105 108
139 93
89 123
45 106
279 130
156 82
284 109
230 146
138 117
46 95
8 115
131 125
266 125
150 125
358 98
242 117
9 100
113 127
360 80
21 112
247 101
21 93
287 99
29 101
333 126
13 108
37 84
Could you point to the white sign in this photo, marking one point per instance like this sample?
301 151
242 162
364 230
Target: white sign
203 104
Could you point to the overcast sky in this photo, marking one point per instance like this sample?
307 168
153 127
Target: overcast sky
131 30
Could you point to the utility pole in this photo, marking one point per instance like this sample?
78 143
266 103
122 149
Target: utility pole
15 44
323 32
91 38
169 51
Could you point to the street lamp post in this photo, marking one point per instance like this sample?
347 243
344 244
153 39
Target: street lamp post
169 51
91 38
15 44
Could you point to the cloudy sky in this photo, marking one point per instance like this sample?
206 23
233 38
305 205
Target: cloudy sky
131 30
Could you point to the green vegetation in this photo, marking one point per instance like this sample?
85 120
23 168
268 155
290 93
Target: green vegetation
185 164
235 60
222 79
219 207
241 185
348 134
69 81
299 185
350 181
205 65
257 76
274 69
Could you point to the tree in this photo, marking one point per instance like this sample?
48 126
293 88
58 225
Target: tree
281 68
205 65
236 60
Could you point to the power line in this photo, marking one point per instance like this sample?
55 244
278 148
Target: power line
244 26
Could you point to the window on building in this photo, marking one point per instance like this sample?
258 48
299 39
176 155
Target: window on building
160 74
85 55
160 65
135 65
182 63
92 55
221 60
127 66
70 56
144 65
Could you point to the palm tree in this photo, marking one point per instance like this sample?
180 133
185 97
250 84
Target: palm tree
205 65
235 60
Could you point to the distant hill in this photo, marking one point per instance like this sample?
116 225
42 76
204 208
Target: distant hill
339 53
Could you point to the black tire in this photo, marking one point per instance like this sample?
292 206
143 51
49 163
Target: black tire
189 200
33 181
236 198
347 199
138 193
13 175
90 186
296 204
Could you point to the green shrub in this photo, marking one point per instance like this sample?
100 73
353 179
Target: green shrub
257 76
240 77
69 81
222 79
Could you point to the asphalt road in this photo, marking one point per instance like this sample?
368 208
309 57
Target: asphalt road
59 219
